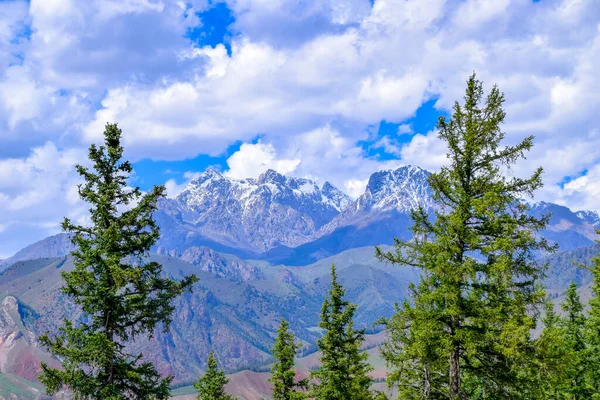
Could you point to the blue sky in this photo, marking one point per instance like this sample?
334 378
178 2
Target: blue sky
327 89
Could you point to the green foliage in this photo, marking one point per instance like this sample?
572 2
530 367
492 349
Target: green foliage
592 332
550 372
564 354
283 373
211 386
343 373
574 342
465 333
121 296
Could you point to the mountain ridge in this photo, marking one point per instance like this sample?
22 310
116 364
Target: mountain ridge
293 221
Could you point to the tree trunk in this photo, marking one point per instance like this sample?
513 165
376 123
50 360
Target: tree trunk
455 372
427 385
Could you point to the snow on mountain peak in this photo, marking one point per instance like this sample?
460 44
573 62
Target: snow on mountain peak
592 217
404 188
258 214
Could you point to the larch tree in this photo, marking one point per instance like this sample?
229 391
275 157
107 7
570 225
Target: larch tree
344 369
479 291
122 295
211 386
574 343
283 373
550 370
592 332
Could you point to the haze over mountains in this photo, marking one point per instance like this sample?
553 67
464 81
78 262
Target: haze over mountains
262 249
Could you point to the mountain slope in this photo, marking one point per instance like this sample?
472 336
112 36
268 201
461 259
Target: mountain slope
253 215
381 213
566 228
235 308
52 246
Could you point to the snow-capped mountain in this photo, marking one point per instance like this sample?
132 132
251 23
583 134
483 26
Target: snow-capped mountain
388 192
567 228
381 213
293 221
251 214
590 217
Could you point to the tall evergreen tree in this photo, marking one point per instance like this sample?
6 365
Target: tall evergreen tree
592 332
479 280
343 373
283 373
211 386
551 371
121 294
574 342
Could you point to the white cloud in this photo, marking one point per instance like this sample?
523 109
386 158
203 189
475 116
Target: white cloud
36 192
426 151
307 77
355 187
174 188
253 159
322 154
583 193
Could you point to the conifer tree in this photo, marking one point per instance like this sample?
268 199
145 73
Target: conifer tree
283 373
573 340
211 386
551 371
592 332
479 280
343 373
121 294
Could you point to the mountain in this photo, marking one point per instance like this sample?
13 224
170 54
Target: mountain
247 216
230 267
568 229
292 221
381 213
233 311
52 246
590 217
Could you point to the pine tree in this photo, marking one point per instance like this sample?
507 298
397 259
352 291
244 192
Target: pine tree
283 373
574 342
343 373
121 294
550 371
211 386
592 332
562 350
478 276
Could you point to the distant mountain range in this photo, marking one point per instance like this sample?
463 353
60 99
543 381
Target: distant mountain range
262 249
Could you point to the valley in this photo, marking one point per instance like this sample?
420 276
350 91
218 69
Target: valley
262 250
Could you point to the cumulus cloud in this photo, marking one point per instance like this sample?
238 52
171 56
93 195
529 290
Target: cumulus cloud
36 192
309 78
253 159
582 193
322 154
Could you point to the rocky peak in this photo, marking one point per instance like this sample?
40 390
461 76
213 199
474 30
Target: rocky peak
404 188
339 199
388 192
271 176
210 261
253 214
591 217
210 174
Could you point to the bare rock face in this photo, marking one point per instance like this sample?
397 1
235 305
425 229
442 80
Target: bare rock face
590 217
211 261
394 191
253 214
19 350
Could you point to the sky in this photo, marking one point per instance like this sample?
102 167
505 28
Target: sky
332 90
